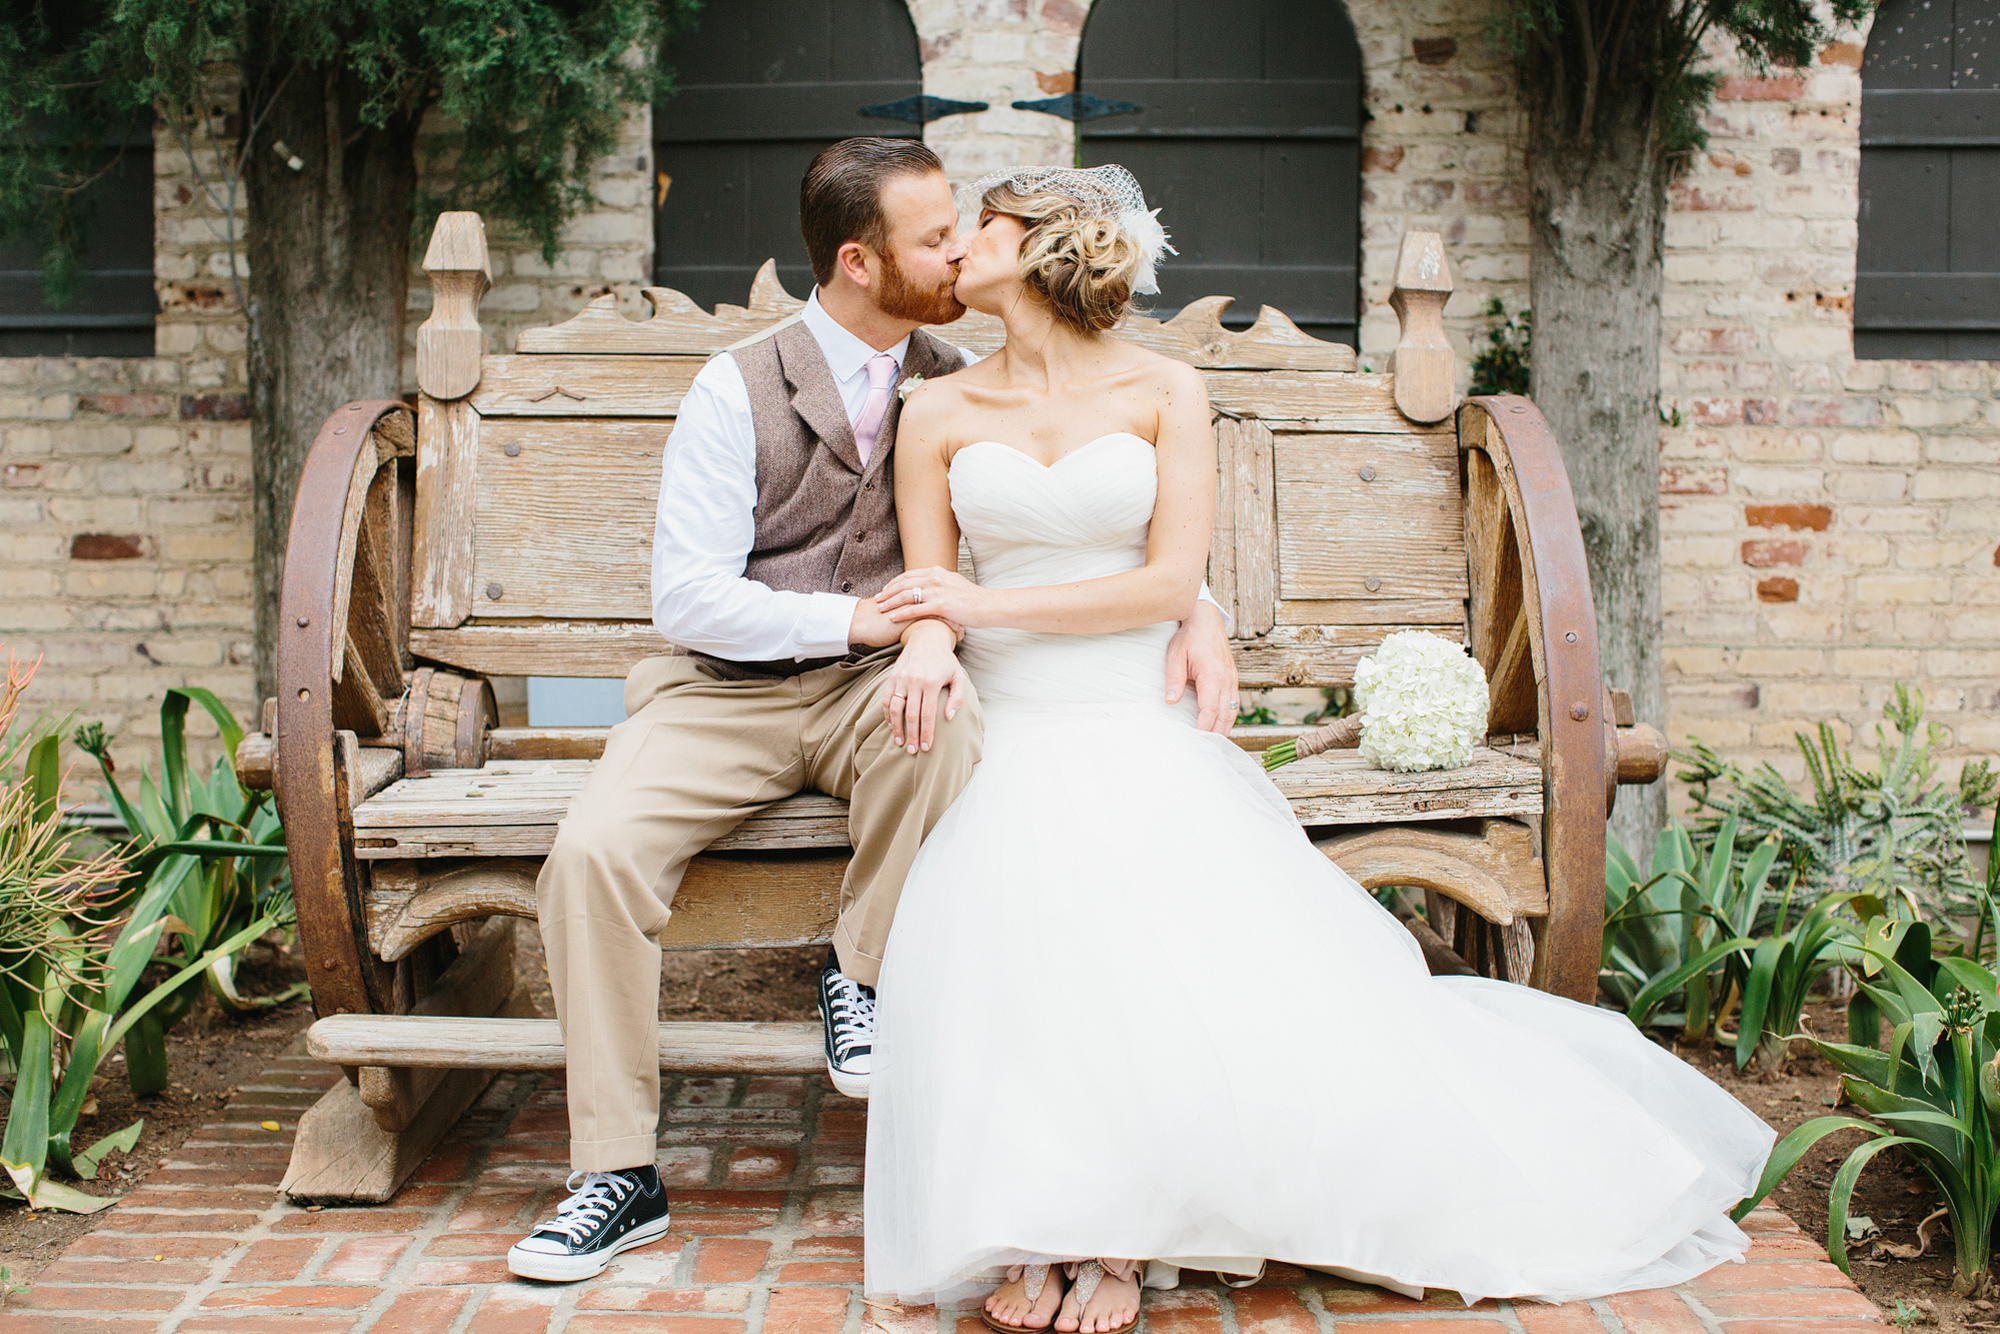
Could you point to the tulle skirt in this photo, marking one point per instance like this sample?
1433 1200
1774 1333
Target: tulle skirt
1128 1010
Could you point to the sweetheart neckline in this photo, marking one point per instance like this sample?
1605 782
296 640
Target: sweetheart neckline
1051 467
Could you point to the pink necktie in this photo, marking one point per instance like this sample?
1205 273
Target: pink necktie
881 372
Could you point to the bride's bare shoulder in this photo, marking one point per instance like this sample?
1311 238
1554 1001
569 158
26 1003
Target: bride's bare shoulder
1155 373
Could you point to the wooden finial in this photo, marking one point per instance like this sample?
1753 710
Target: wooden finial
448 343
1426 373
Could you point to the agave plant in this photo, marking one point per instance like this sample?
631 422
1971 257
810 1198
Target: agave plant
215 850
1856 829
1937 1084
1672 933
77 933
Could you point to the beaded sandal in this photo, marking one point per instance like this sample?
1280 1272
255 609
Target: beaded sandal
1033 1279
1088 1275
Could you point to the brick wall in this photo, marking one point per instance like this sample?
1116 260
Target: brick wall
1829 525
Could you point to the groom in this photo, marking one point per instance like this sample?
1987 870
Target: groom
776 527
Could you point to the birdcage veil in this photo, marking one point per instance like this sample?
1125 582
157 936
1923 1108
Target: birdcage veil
1108 191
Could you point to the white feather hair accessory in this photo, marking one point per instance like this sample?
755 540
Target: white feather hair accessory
1108 191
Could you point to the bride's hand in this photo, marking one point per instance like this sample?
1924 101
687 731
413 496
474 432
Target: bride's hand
925 678
935 591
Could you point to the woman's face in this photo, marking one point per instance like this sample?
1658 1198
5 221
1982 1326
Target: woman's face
989 275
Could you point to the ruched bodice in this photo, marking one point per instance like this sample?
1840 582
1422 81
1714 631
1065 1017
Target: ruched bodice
1031 524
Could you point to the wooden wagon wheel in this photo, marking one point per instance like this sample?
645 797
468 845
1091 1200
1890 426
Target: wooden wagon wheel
1534 632
342 650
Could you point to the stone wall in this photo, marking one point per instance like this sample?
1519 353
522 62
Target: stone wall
1830 524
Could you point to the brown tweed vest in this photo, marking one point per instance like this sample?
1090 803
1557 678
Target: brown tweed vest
825 522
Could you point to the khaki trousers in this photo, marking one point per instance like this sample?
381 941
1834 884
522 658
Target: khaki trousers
695 755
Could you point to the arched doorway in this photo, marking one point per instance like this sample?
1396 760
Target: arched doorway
1927 284
1242 119
761 86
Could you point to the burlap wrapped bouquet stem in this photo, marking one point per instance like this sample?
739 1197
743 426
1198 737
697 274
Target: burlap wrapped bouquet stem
1340 734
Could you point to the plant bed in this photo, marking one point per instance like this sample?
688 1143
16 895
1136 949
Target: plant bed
1893 1191
209 1055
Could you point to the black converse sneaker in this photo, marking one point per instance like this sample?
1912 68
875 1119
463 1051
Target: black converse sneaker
848 1010
610 1212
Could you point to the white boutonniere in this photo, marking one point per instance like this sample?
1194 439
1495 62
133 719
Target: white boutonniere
909 386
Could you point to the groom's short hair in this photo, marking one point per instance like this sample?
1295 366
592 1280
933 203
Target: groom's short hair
840 199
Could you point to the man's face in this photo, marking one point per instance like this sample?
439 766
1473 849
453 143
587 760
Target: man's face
920 267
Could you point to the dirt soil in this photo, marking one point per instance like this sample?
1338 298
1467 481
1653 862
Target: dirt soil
1893 1190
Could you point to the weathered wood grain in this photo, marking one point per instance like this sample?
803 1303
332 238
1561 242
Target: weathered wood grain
1494 871
725 901
1426 384
1499 619
1370 516
536 1044
477 983
449 342
564 514
542 647
1244 448
442 533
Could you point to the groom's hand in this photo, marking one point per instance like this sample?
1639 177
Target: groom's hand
1199 652
871 626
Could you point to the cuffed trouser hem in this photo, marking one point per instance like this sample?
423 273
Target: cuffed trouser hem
613 1155
855 962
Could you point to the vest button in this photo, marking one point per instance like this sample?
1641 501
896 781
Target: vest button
868 486
847 585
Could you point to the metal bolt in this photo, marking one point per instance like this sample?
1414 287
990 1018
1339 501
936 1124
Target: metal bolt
304 694
354 407
493 590
1517 408
1579 710
1371 583
340 430
512 449
304 621
1569 636
329 963
1368 473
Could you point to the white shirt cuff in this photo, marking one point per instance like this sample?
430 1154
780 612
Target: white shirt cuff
823 630
1228 621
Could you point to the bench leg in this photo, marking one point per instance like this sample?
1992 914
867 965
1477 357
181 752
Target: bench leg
360 1142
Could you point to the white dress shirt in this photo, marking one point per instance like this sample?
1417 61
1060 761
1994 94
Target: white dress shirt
706 524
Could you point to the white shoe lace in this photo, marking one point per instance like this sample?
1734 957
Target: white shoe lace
853 1015
592 1203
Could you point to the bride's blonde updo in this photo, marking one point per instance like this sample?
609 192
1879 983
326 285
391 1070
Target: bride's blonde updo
1084 267
1091 242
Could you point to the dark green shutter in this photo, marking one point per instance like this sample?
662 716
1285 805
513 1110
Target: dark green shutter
1249 141
113 310
1927 284
762 86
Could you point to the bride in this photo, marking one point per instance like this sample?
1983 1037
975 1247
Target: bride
1129 1018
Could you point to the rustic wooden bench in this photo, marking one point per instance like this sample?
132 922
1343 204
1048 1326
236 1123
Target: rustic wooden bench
502 527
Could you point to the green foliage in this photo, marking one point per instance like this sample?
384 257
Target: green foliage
1937 1083
534 90
1671 934
1590 67
216 851
1889 830
1502 367
68 967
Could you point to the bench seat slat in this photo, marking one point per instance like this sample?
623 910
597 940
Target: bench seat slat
437 1042
510 807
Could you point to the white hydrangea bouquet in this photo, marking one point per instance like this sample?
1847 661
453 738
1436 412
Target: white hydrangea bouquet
1420 703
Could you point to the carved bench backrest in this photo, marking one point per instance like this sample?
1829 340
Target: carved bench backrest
1340 516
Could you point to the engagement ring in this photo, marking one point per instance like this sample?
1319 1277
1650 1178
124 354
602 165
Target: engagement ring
916 595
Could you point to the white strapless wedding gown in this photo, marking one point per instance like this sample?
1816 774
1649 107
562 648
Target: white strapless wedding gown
1128 1010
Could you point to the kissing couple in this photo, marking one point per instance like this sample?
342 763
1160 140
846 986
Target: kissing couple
1114 1013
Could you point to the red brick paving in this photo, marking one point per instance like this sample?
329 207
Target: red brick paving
766 1240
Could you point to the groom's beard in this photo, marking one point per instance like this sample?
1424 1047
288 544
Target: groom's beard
902 299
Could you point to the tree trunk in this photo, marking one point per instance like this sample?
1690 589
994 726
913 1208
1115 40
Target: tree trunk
328 247
1596 209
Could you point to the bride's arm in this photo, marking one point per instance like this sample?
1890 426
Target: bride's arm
926 684
1163 589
